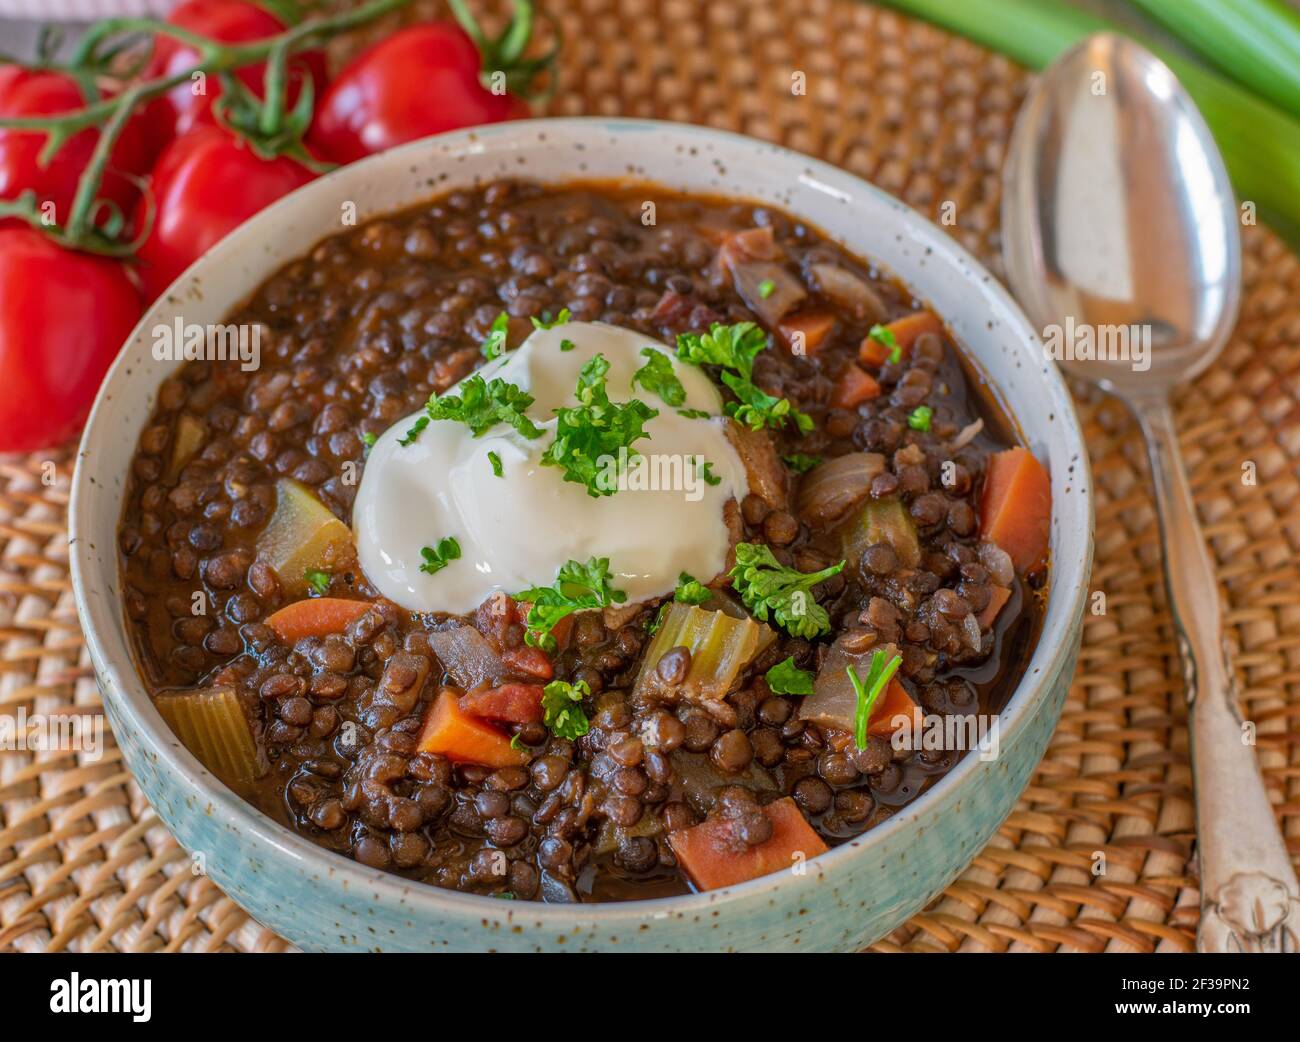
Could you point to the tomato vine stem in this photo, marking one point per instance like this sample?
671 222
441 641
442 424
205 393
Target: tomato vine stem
80 231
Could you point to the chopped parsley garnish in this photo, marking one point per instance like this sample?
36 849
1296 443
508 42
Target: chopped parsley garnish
505 895
495 460
318 581
734 348
771 590
885 335
868 689
690 591
706 472
577 587
480 405
694 414
562 709
595 430
766 288
785 678
657 375
546 322
920 417
368 439
758 409
496 338
801 463
436 558
567 345
517 743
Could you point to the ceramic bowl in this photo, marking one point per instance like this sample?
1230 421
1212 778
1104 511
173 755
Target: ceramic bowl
843 899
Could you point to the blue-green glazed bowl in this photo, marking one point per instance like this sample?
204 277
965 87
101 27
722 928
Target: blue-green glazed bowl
839 901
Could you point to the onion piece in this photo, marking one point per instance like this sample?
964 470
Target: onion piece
831 489
998 564
467 657
966 435
834 701
765 474
752 258
846 290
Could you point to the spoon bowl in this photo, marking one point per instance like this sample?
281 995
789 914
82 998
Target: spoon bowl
1119 220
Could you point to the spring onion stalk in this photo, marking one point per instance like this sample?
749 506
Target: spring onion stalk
1259 142
1256 42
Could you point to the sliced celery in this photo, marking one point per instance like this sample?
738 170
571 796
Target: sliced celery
211 724
720 646
302 536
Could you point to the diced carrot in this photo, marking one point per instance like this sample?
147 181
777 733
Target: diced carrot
453 733
896 702
997 598
316 617
853 388
515 703
905 330
873 352
806 331
1016 507
530 662
713 859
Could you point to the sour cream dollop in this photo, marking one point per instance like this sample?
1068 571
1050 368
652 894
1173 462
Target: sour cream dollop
515 531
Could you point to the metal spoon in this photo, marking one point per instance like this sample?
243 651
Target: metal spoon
1119 223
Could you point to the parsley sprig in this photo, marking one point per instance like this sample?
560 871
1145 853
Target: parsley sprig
577 587
771 590
801 463
496 338
885 335
690 590
546 322
785 678
868 690
562 709
733 349
657 376
436 558
594 430
480 405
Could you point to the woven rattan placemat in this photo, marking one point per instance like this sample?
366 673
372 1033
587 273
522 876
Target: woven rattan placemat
85 864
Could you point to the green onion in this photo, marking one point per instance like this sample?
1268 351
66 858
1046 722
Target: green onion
1256 42
1260 144
919 418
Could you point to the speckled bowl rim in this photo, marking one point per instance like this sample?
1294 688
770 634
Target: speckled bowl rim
121 684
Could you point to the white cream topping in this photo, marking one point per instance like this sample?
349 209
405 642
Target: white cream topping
515 531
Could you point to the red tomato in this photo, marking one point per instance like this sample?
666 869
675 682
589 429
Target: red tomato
205 185
35 92
228 21
419 81
63 317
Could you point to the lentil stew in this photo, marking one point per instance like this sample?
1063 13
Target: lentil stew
597 757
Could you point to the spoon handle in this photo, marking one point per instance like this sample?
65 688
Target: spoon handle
1250 900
